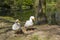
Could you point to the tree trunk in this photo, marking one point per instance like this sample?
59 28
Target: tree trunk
36 8
39 10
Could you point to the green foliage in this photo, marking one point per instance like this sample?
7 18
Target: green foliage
50 11
23 9
24 15
28 2
17 8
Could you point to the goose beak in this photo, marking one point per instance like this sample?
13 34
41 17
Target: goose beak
17 21
33 19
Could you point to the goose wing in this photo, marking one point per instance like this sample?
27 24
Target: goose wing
28 23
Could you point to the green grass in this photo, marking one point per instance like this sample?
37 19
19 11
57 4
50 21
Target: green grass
8 18
35 37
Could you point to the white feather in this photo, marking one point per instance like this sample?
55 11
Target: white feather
16 26
29 22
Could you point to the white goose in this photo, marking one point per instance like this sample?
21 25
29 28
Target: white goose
29 22
16 25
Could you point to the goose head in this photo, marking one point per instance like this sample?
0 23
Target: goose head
17 21
32 18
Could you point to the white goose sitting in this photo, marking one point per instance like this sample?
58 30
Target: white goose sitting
16 26
29 22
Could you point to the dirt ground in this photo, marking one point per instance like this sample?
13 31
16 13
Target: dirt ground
42 32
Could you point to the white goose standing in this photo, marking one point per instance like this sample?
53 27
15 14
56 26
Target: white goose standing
29 22
16 26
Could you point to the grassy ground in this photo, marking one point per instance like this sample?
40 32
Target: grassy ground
43 32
